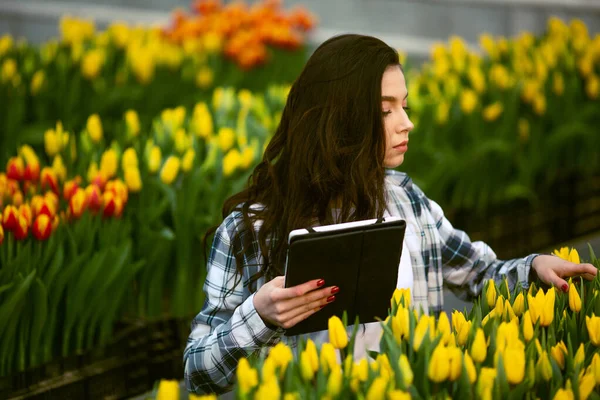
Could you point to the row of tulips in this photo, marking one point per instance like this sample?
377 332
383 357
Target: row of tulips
142 197
488 123
147 69
517 344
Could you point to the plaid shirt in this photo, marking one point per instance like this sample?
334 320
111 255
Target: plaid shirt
228 327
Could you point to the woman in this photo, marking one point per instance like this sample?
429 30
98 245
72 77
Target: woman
344 123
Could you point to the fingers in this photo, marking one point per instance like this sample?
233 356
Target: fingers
297 291
303 314
284 306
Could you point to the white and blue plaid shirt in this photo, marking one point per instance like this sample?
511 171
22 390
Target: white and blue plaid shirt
228 327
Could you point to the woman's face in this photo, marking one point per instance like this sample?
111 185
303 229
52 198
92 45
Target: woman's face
397 125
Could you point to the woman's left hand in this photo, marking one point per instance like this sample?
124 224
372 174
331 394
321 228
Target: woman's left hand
552 271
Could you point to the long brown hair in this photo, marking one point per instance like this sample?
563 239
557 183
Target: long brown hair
327 152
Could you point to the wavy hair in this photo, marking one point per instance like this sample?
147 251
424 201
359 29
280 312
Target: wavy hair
324 163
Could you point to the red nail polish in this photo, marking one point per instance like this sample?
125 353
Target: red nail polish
335 289
330 299
320 282
565 287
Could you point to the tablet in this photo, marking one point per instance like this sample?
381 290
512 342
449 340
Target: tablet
361 258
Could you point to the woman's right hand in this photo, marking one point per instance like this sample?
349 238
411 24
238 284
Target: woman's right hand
285 307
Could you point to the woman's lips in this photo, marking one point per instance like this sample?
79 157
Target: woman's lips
402 146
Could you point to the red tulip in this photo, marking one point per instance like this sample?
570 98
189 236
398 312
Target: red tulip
119 189
77 203
42 227
49 179
93 198
10 218
69 189
25 211
15 169
32 172
112 205
44 206
99 180
22 228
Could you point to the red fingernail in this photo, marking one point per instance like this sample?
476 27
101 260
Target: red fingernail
565 287
330 299
335 289
320 282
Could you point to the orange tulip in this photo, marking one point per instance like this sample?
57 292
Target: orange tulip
77 203
22 228
42 227
32 172
17 198
15 168
52 199
119 189
49 179
10 218
93 198
1 234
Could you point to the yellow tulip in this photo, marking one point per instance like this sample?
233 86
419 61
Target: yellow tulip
306 366
155 159
337 333
420 331
182 141
192 396
492 112
479 347
328 358
541 307
544 367
458 320
268 390
401 296
384 367
51 143
463 335
360 370
247 377
92 63
558 84
592 87
167 390
514 364
133 179
564 394
470 367
539 104
558 352
398 395
130 159
519 304
6 43
468 101
313 356
205 77
334 383
226 138
527 326
595 367
406 370
170 170
579 355
443 327
490 293
37 81
290 396
499 307
455 359
486 42
593 327
586 386
133 123
281 355
188 160
523 129
9 70
109 163
401 324
377 389
571 255
231 162
442 113
477 79
574 299
202 121
439 365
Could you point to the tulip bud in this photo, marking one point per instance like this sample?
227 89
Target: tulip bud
22 229
558 352
544 368
377 389
443 327
59 168
49 180
77 203
514 364
490 293
579 355
306 367
109 163
133 123
328 358
586 386
463 335
119 189
17 198
527 326
167 390
32 172
188 160
112 205
25 211
69 189
15 168
334 383
519 305
170 170
455 360
594 366
10 218
337 333
93 198
1 234
130 159
42 227
247 377
574 299
94 128
420 332
439 365
470 366
154 160
479 347
401 297
133 180
405 368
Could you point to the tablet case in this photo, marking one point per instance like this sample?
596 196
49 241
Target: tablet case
362 261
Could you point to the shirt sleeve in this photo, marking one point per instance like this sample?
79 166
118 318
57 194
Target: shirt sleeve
228 326
466 265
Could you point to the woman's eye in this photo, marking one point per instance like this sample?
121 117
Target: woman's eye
386 113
